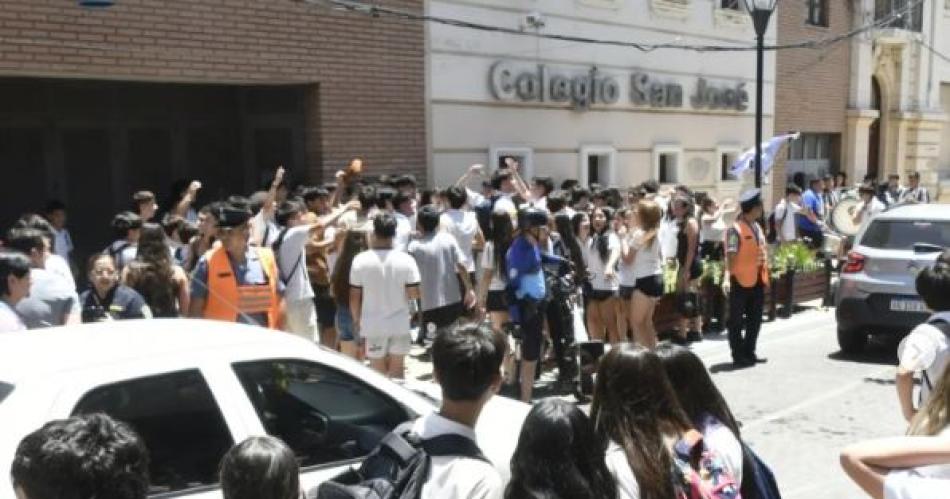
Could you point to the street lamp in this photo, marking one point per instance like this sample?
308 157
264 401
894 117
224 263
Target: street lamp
761 11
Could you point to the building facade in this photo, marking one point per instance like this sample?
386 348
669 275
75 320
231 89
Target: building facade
812 89
98 103
596 113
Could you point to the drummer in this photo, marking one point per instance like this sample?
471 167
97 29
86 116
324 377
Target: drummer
869 207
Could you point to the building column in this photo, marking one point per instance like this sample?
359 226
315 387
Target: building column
856 142
918 146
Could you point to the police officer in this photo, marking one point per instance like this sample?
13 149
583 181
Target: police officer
747 276
234 281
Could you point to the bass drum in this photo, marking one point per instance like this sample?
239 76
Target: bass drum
842 217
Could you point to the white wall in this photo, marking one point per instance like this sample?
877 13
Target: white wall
466 119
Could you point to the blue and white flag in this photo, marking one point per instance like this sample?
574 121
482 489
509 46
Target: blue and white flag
770 149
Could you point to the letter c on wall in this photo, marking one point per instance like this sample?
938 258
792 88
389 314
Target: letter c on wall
501 85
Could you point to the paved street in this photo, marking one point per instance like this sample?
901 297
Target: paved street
806 403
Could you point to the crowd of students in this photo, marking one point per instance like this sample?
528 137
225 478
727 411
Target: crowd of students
658 428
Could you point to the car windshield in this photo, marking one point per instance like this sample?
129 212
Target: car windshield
5 389
904 234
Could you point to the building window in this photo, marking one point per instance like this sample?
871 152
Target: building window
666 163
728 155
729 4
597 165
813 155
499 156
900 14
817 12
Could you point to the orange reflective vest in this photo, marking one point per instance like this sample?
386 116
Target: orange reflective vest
745 263
226 298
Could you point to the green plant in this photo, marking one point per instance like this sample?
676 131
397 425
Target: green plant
713 271
670 275
793 256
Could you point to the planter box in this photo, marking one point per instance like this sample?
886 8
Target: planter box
795 288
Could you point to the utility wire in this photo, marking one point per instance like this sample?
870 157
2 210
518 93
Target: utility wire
380 11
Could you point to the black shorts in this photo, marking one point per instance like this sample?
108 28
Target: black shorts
441 317
651 286
602 294
712 250
496 301
326 307
626 292
696 271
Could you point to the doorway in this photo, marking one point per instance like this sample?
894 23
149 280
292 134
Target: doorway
874 132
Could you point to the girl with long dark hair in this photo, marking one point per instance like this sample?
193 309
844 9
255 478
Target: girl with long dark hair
354 242
636 409
690 270
704 405
153 274
559 456
601 253
491 284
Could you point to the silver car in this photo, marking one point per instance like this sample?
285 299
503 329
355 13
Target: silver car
876 292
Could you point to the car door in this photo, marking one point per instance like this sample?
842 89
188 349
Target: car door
329 417
174 410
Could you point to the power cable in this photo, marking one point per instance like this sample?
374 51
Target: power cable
380 11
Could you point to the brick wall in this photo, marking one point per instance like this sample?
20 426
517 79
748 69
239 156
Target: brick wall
369 71
811 84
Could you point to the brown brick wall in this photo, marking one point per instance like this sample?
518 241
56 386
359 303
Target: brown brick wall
369 71
811 84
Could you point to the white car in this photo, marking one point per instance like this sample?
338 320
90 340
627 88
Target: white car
193 388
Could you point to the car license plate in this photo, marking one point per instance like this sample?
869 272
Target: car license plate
915 306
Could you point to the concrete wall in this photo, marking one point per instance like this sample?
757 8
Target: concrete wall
467 120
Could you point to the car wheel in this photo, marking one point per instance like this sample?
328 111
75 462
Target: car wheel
852 341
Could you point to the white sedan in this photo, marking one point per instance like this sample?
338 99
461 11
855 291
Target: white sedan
193 388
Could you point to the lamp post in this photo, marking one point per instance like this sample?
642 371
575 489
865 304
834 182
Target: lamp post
761 11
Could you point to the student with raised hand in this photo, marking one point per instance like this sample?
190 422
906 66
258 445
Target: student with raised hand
260 468
559 456
916 466
88 456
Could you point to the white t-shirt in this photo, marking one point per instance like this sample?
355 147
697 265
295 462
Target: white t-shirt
488 263
648 261
58 265
9 320
787 230
464 226
63 245
596 267
453 476
293 265
922 482
264 230
403 232
669 229
711 228
624 269
505 203
875 208
936 344
619 467
383 275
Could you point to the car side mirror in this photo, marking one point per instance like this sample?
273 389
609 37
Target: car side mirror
924 248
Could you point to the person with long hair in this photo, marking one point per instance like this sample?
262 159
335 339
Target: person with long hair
636 409
491 284
260 468
625 225
704 404
916 465
202 242
354 242
643 265
163 284
601 253
559 456
690 270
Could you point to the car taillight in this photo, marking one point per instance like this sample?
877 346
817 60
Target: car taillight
854 264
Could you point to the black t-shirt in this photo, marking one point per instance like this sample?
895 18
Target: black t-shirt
120 302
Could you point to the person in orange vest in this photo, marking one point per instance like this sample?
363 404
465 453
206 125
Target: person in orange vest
234 281
746 277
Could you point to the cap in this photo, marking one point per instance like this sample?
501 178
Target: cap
229 216
750 199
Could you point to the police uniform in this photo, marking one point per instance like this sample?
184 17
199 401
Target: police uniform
121 302
247 292
749 276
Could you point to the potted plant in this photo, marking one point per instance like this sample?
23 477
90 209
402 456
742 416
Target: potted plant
798 276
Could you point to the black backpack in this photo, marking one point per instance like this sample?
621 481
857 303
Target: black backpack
944 328
773 225
275 247
397 468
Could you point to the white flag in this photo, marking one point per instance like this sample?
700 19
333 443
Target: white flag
746 161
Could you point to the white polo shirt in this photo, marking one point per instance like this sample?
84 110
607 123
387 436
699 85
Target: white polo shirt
454 476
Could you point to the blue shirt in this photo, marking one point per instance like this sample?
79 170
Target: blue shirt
524 270
811 201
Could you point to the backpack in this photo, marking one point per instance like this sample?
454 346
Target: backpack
773 226
398 467
761 483
707 478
